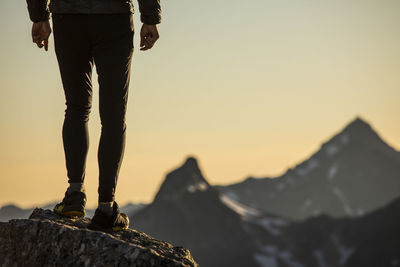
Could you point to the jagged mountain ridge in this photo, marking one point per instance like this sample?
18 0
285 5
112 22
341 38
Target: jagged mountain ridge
339 179
188 211
368 241
222 232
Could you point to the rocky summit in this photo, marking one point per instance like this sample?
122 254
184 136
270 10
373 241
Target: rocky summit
46 239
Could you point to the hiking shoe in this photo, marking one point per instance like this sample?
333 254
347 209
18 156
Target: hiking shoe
115 222
72 205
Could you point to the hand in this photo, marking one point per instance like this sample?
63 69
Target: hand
148 36
40 33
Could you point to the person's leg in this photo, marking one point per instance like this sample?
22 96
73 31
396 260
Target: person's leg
112 37
72 47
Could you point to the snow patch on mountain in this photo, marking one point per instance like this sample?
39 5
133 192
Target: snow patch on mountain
344 252
280 186
319 256
286 257
266 260
200 186
332 172
272 256
269 249
360 212
344 138
272 225
340 195
232 195
247 213
307 167
316 212
332 149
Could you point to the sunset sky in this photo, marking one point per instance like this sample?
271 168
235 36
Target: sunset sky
248 87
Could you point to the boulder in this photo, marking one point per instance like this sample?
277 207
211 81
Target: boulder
46 239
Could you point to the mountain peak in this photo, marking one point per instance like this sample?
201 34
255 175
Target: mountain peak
358 124
191 163
184 179
356 132
360 131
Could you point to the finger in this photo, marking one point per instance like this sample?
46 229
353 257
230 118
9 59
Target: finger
148 46
145 47
150 40
141 41
46 44
39 44
146 42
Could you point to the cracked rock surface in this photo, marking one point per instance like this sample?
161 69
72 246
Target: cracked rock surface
46 239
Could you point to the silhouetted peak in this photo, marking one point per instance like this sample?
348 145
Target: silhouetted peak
359 131
184 179
191 163
358 125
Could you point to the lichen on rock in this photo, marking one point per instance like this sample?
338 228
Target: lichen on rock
46 239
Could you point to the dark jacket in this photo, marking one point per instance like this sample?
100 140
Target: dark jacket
40 10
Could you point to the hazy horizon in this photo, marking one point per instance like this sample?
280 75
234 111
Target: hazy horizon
93 205
249 89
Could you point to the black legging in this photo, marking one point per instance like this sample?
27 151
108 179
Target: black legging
106 40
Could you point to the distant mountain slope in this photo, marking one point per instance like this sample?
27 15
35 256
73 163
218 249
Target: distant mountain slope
219 231
377 235
351 174
368 241
187 211
11 211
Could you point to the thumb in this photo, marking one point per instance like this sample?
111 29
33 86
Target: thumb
46 44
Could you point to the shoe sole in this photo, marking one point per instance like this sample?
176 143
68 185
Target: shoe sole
70 214
106 230
95 227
